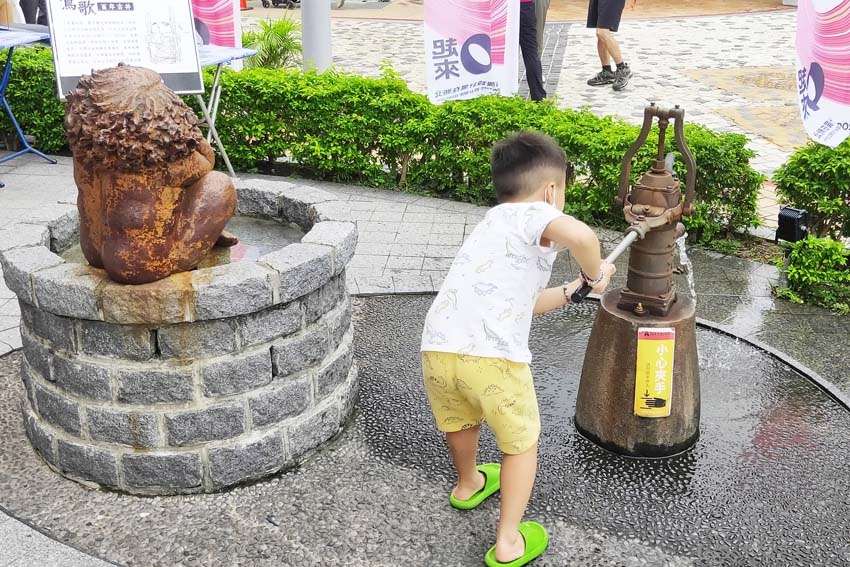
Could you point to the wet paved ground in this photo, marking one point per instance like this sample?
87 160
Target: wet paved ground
747 494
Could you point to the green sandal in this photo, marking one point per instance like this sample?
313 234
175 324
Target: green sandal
536 542
491 472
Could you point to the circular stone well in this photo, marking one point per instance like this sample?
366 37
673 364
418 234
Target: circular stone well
199 381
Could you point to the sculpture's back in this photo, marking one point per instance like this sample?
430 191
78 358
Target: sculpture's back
150 204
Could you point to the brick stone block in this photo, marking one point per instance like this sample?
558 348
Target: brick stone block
58 411
128 342
342 236
64 226
338 321
232 289
229 465
69 290
348 393
169 471
125 428
302 268
20 263
58 331
36 354
197 340
296 204
24 235
301 351
236 375
287 400
88 380
213 423
40 438
313 430
29 385
88 463
322 300
335 370
157 303
155 385
270 324
260 197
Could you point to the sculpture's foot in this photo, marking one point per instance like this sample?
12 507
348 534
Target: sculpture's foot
227 239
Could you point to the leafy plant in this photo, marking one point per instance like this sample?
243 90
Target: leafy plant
278 44
819 272
817 178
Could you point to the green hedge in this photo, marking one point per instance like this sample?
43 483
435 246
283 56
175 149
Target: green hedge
817 178
377 132
818 272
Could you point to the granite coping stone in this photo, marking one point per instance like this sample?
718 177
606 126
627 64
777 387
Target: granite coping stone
40 277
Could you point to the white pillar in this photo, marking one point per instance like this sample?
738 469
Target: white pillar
316 34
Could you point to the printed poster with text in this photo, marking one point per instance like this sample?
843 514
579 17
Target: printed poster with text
218 23
471 48
155 34
823 69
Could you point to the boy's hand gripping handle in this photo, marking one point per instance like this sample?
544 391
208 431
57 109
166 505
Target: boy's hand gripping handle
579 295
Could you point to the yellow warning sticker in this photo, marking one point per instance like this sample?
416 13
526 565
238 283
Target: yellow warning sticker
654 373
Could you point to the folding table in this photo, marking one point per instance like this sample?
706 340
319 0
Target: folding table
210 55
10 39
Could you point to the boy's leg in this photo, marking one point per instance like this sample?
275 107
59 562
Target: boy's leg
464 448
518 473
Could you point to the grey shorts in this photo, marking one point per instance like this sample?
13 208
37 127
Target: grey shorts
605 14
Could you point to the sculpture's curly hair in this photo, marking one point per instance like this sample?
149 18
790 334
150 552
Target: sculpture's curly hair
124 118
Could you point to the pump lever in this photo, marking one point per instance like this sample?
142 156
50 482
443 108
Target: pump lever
631 235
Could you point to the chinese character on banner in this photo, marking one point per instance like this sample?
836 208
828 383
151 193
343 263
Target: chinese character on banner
823 70
471 43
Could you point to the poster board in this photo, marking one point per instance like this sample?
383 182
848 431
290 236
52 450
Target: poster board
156 34
471 48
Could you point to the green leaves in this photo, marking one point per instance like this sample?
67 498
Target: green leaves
819 272
278 44
817 178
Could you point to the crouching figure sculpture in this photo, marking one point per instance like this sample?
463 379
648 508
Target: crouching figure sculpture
150 204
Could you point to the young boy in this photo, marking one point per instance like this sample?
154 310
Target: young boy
475 353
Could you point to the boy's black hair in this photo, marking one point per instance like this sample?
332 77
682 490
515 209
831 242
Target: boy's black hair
516 162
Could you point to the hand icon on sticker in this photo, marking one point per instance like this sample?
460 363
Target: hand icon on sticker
655 402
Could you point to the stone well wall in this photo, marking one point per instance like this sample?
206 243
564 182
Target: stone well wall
199 381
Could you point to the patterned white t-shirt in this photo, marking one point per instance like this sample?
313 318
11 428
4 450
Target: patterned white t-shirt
486 303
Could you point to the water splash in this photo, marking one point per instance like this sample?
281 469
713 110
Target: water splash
687 265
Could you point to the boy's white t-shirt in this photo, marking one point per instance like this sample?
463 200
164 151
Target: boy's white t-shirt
487 300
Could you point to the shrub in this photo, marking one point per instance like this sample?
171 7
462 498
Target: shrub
32 97
817 178
375 131
819 272
278 44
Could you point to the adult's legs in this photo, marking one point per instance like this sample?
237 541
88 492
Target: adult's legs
541 7
30 10
607 46
528 46
42 13
517 480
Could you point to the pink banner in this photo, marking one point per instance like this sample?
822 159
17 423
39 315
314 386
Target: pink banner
823 69
471 48
217 22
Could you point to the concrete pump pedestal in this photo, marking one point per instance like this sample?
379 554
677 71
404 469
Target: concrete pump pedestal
606 395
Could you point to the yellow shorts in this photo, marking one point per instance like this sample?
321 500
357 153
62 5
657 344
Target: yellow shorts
466 390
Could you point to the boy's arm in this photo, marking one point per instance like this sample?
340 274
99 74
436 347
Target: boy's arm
554 297
580 240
